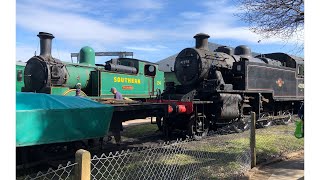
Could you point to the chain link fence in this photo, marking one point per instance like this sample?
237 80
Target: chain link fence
61 173
277 140
216 156
212 157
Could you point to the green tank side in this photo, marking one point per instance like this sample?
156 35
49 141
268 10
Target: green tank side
20 76
129 85
159 80
171 77
87 56
78 74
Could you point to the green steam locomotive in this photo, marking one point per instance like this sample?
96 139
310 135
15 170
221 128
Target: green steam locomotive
134 78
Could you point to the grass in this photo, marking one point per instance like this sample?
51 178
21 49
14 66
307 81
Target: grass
272 141
139 130
179 159
213 158
211 172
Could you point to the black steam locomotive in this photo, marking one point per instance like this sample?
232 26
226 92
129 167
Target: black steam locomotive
222 88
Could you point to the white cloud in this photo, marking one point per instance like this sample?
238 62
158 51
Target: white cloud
221 6
58 4
74 27
161 47
191 15
220 31
109 25
25 51
144 4
134 18
78 6
219 20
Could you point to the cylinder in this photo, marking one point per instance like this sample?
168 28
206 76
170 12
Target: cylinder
87 56
120 68
45 43
202 41
230 106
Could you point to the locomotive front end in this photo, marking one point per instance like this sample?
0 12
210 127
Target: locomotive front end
44 70
46 74
191 65
188 66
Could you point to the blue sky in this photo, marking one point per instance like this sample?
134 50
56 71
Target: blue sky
152 29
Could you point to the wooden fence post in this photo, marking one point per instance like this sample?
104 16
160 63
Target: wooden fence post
253 140
83 167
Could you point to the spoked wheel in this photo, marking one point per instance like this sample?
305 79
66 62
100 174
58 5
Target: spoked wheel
241 125
264 123
287 118
198 126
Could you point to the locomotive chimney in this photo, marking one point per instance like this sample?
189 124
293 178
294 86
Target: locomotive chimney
202 41
45 43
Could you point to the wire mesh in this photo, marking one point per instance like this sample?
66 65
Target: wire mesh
277 140
213 156
217 156
61 173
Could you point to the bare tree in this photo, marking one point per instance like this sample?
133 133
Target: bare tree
280 18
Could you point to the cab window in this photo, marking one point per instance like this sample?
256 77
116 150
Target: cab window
149 70
300 70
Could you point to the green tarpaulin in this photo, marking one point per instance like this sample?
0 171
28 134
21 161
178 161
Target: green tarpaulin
44 119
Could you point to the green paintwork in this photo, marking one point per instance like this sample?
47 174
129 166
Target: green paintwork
87 56
132 86
44 119
96 81
19 70
123 83
159 81
171 77
78 74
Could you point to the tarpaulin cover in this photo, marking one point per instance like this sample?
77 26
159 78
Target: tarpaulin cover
45 119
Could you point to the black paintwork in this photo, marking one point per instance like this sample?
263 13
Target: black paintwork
282 81
268 82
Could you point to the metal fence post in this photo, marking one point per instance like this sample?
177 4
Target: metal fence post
253 140
83 167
